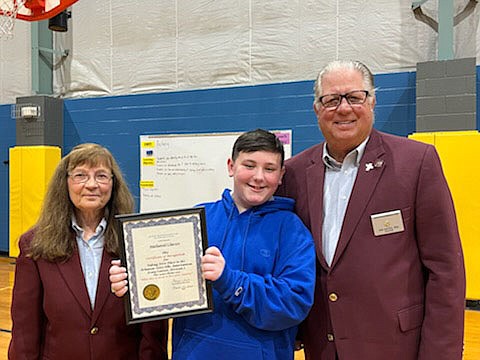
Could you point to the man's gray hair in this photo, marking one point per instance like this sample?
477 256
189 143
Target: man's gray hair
345 65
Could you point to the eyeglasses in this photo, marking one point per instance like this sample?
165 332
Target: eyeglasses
81 178
355 97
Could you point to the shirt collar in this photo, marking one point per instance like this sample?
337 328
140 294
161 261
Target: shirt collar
333 164
98 231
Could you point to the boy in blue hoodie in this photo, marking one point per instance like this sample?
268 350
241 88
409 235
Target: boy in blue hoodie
261 262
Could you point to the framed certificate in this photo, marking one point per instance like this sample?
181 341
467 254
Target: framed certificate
162 252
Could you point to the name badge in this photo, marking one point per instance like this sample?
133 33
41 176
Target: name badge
387 223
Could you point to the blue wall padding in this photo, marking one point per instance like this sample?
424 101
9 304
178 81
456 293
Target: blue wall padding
117 122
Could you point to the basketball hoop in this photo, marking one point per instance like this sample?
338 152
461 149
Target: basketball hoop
28 10
8 13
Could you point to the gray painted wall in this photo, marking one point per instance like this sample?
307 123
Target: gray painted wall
446 95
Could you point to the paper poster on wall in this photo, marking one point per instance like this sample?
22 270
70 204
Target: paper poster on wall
182 170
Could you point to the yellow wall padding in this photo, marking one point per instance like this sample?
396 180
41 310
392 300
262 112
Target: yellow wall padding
459 152
30 170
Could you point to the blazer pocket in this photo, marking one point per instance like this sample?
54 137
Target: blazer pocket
411 318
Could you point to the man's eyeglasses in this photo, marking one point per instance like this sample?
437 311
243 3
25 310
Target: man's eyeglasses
355 97
100 178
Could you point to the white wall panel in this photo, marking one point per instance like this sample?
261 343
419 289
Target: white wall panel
143 46
213 43
15 64
90 61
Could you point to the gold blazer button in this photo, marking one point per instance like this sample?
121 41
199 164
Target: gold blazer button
333 297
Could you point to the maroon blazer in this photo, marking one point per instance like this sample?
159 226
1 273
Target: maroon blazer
399 296
52 316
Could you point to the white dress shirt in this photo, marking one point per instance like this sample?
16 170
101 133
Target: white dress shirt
337 187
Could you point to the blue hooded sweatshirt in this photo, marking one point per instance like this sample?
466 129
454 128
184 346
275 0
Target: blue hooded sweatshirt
265 290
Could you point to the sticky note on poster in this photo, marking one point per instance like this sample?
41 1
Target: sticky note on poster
147 184
148 161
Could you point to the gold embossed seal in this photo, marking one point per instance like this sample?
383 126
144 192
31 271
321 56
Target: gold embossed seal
151 292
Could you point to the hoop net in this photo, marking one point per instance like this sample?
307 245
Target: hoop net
8 13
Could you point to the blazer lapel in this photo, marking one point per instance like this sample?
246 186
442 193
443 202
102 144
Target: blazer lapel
315 178
363 189
103 287
72 273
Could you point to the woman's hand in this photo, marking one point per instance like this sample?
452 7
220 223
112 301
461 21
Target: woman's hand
118 278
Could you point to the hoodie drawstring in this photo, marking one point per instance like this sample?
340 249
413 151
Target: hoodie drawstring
226 228
244 243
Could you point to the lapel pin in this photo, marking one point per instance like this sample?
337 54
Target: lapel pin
368 167
378 163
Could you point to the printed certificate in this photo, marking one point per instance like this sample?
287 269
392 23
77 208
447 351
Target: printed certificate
162 252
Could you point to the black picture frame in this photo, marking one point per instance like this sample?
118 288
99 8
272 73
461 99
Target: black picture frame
162 252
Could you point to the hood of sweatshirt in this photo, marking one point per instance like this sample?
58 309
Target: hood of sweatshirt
276 203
